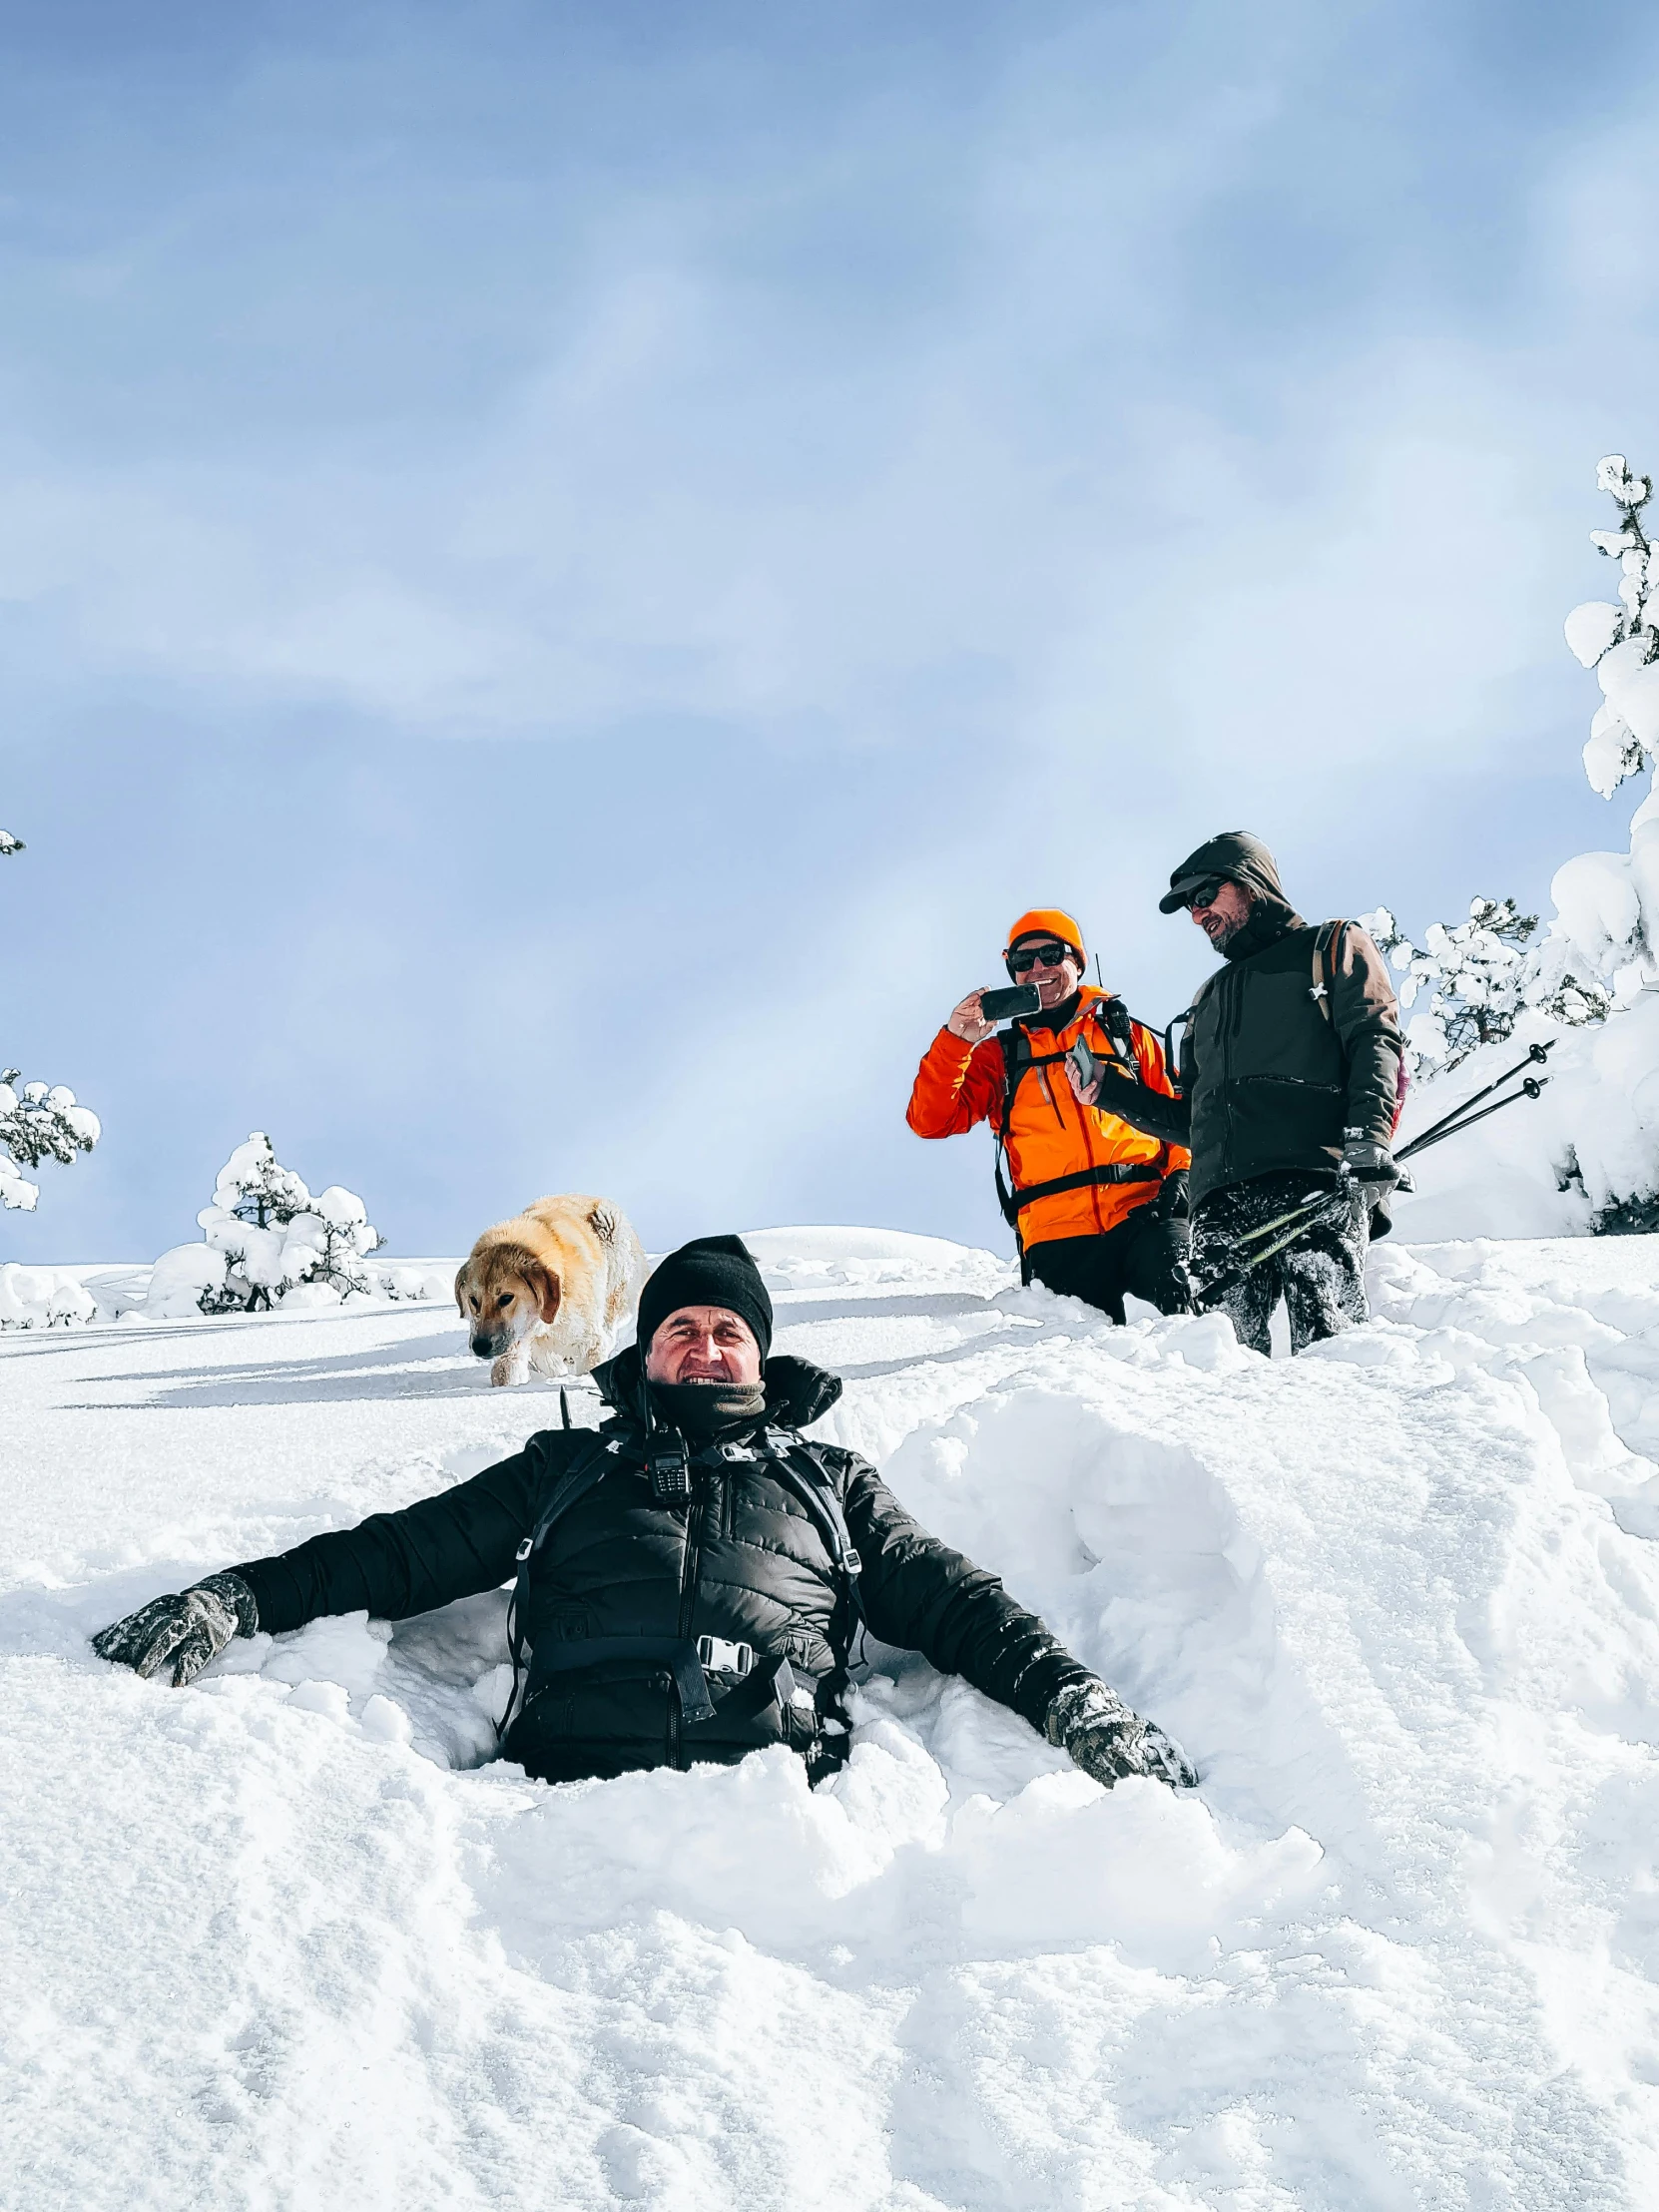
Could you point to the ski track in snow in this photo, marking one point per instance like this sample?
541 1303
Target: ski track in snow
287 1939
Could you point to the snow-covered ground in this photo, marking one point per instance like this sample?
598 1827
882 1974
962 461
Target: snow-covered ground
284 1940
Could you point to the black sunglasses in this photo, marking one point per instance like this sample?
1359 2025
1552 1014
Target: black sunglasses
1029 956
1207 893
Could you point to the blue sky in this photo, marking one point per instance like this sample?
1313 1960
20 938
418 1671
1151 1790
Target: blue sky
565 569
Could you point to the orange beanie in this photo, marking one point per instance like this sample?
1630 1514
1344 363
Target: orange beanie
1048 921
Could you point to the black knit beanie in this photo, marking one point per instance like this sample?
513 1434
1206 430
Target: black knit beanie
710 1270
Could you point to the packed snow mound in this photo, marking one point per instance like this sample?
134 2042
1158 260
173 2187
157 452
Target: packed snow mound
288 1937
1547 1165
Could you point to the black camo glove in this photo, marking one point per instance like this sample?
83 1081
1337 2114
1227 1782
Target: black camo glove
1110 1741
175 1637
1171 1203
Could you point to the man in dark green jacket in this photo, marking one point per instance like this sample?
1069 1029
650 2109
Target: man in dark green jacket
691 1577
1290 1084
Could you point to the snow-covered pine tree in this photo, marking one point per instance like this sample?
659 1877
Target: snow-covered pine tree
275 1238
1621 642
1608 902
1588 1157
1602 948
40 1121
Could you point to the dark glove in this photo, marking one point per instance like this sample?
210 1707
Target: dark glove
1108 1741
1171 1203
175 1637
1367 1161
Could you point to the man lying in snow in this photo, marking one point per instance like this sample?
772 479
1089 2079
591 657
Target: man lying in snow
692 1575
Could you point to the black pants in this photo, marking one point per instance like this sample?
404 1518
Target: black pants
1321 1278
1144 1253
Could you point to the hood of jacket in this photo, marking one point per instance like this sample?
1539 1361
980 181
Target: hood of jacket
1245 859
1234 854
796 1390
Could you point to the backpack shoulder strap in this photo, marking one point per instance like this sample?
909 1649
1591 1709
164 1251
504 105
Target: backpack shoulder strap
586 1471
816 1489
1327 945
1016 1059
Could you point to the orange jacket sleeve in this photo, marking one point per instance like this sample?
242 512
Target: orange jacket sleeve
1155 1075
957 1085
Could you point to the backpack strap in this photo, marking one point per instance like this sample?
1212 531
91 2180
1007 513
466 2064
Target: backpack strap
1115 1171
585 1470
1328 952
1018 1059
1118 1027
817 1492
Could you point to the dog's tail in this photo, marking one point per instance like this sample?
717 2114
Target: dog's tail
605 1221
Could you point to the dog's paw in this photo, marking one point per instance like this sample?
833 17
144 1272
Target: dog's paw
508 1369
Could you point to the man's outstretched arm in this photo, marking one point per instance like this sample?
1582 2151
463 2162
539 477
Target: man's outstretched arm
391 1565
921 1595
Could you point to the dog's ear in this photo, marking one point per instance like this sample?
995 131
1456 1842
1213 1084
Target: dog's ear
548 1289
460 1280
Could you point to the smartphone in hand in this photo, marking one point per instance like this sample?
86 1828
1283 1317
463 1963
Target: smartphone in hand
1004 1005
1086 1066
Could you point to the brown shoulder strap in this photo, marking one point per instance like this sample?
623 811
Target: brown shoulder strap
1326 940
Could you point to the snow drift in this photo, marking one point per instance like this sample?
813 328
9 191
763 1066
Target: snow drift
284 1939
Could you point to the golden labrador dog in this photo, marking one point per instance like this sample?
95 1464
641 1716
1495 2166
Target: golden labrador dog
552 1289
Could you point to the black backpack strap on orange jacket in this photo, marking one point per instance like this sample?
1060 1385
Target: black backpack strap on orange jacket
1018 1061
1118 1027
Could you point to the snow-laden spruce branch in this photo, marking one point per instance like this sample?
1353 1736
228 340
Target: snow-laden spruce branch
1475 980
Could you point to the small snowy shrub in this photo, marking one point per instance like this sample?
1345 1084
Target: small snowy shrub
38 1121
1475 980
43 1298
269 1239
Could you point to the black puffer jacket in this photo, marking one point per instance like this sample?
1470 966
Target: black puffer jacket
744 1560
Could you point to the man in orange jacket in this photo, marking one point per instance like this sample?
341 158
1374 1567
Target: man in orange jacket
1097 1209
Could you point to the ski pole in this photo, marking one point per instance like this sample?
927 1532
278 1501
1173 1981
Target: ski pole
1329 1202
1536 1056
1531 1088
1304 1210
